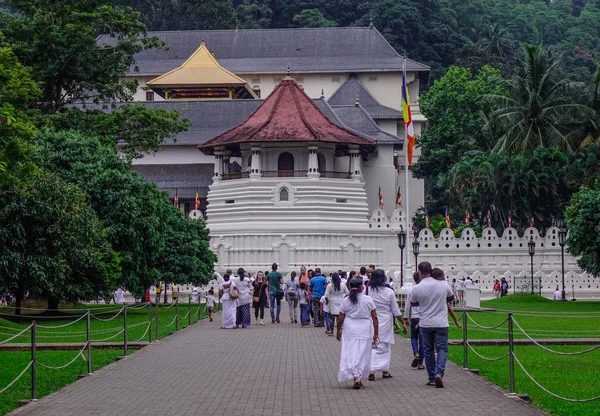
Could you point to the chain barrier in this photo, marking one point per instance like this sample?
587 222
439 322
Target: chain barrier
18 377
486 358
16 335
80 353
548 391
486 327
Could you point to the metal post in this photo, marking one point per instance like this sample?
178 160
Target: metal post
89 341
156 323
33 363
401 267
199 304
189 311
562 255
176 314
416 261
532 292
511 362
149 322
125 330
465 347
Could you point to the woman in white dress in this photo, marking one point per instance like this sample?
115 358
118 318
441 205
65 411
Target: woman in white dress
357 329
120 295
243 306
229 305
387 309
194 294
334 294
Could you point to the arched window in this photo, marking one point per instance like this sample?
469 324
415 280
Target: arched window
285 165
284 195
322 163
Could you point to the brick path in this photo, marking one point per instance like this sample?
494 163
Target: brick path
272 370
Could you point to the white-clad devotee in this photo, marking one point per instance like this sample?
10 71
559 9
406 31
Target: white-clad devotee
334 294
387 310
120 295
194 294
358 329
228 305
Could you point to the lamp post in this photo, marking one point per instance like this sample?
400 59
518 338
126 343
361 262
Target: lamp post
531 246
562 234
416 245
402 246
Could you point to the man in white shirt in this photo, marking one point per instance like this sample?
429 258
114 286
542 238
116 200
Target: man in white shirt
416 341
432 297
557 294
461 290
468 282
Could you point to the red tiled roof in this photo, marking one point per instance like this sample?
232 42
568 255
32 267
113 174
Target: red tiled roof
287 115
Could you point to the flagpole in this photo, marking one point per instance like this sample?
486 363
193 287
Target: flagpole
407 200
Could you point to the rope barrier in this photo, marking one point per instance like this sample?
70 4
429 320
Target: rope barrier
109 319
184 316
62 326
16 335
486 358
487 327
60 309
503 311
111 337
18 377
172 322
551 350
139 306
548 391
49 367
167 307
142 337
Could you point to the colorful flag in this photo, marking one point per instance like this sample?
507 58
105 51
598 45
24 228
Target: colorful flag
447 217
426 218
489 218
380 198
467 217
509 220
176 200
197 204
407 116
532 222
399 198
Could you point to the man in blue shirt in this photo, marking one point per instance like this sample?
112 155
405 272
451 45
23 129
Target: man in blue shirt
275 279
317 289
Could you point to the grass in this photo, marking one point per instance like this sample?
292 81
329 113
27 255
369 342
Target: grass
12 363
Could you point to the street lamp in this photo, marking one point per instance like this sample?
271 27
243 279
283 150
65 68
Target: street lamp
416 245
562 234
531 246
402 246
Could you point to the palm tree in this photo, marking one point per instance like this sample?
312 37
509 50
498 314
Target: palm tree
541 107
495 42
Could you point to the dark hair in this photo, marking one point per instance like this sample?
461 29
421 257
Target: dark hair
437 274
372 267
274 266
302 286
310 271
336 280
352 274
425 268
226 277
211 292
317 271
293 274
416 277
363 270
355 286
241 273
377 279
343 275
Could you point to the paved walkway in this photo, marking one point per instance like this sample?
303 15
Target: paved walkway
272 370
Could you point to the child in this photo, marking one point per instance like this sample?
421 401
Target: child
438 274
210 304
304 306
325 313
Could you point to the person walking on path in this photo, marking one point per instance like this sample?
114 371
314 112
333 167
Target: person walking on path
174 293
317 291
291 296
432 296
243 309
334 294
303 278
416 340
210 304
260 297
496 290
386 304
228 304
120 295
304 305
358 330
159 288
275 280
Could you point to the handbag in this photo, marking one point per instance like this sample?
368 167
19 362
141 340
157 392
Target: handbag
234 293
256 299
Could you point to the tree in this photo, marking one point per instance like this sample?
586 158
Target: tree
313 18
253 15
541 107
58 40
583 223
53 245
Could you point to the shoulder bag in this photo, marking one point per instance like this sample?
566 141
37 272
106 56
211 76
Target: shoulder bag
233 292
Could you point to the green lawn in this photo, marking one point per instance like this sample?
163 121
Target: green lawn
12 363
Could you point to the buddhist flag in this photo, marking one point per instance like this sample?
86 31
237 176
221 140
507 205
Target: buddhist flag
176 200
532 222
467 217
489 219
509 220
399 198
407 116
447 217
426 218
380 198
197 204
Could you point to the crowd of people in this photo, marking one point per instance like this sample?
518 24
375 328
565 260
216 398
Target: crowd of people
360 308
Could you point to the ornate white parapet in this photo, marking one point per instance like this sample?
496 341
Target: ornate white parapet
255 166
313 162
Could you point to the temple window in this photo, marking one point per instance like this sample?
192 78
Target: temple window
284 194
149 95
285 165
322 162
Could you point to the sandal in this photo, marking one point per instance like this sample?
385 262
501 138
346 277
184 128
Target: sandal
357 386
387 375
371 377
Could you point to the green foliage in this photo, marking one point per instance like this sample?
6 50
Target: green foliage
583 223
57 39
137 129
153 238
253 15
313 18
54 246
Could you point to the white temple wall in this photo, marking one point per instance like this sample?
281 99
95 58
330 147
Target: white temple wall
379 171
175 155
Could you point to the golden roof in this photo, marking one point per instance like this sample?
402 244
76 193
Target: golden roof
200 69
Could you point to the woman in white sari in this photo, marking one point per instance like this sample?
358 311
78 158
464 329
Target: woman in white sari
335 292
358 321
229 305
387 309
